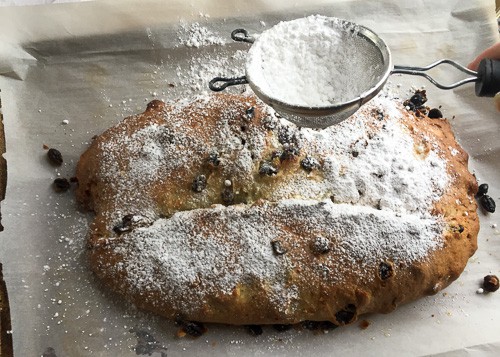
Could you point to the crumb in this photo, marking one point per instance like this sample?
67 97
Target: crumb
364 324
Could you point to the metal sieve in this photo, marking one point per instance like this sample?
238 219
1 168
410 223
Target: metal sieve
375 58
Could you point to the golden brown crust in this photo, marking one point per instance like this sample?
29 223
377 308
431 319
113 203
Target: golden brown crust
337 284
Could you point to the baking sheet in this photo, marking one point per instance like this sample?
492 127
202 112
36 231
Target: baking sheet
94 63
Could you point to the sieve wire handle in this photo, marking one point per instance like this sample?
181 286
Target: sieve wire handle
420 71
241 35
220 83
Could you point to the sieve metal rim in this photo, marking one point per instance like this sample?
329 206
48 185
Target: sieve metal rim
310 111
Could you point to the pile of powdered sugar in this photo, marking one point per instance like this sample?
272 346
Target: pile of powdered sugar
311 62
196 35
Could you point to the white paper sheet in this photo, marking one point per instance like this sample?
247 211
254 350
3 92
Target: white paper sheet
96 62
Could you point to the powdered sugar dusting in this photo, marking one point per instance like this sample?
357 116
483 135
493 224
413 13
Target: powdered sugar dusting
197 248
370 196
196 35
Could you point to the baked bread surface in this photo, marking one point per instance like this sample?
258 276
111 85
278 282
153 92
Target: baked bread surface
216 210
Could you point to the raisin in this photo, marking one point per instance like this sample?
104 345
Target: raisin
355 153
266 168
254 330
199 183
289 153
327 325
490 283
310 325
286 135
125 225
482 189
309 163
320 245
213 159
460 228
487 203
194 329
435 113
61 184
418 99
227 196
278 247
410 106
385 270
347 315
250 112
55 157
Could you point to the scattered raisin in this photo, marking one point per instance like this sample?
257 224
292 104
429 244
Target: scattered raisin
355 153
347 315
213 159
289 153
199 183
487 203
435 113
269 123
254 330
327 325
490 283
276 154
282 327
227 196
61 184
310 325
286 135
278 247
309 163
416 102
410 106
194 329
482 189
320 245
317 325
250 112
385 270
125 225
266 168
55 157
419 98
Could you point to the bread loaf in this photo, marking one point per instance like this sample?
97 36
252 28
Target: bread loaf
217 210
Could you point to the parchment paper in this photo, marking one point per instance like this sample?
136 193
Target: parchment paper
94 63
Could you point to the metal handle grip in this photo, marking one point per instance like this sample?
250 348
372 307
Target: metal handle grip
420 71
488 74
